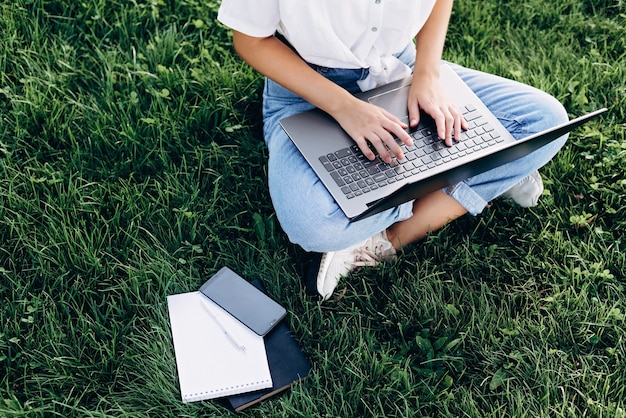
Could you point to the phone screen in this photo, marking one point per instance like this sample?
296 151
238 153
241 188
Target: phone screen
242 300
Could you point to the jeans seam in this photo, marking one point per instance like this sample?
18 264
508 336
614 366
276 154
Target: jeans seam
515 125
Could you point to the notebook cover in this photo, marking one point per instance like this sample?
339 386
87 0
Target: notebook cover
287 363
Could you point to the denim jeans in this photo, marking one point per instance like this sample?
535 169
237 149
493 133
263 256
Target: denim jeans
309 215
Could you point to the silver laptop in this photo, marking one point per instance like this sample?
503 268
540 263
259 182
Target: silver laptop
362 187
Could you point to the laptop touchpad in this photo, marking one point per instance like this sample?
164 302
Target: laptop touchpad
394 101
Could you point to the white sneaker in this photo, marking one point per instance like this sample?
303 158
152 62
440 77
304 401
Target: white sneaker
338 264
527 192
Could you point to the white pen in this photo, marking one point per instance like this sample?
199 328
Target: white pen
216 318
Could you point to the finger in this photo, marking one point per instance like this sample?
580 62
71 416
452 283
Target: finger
394 119
365 149
440 123
450 128
381 149
458 126
399 130
403 136
387 147
396 129
392 145
393 122
464 124
414 113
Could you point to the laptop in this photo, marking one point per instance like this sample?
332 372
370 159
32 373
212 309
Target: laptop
363 188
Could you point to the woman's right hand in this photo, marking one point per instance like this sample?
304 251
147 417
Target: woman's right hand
369 124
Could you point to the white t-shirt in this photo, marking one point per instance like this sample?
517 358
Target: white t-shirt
336 33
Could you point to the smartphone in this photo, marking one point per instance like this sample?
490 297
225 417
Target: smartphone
243 301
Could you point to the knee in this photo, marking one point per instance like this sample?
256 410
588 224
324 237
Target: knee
549 113
315 231
554 114
558 111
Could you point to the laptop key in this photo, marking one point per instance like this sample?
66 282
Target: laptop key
337 179
379 177
373 170
342 153
470 116
369 163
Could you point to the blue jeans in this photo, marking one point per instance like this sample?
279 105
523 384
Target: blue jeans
309 215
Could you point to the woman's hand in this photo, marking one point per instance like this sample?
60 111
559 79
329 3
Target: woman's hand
370 124
427 94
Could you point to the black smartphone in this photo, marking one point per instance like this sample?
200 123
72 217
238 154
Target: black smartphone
242 300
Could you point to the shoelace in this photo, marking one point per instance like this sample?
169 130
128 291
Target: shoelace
364 257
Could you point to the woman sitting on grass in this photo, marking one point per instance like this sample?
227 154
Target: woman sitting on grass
336 48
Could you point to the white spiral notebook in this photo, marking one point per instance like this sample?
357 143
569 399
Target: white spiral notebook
210 364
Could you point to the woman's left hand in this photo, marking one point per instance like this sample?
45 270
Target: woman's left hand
427 94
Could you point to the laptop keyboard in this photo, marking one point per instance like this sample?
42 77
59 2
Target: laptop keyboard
356 175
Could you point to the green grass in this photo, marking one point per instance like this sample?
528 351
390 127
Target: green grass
132 167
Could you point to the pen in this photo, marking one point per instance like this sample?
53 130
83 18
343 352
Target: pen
219 323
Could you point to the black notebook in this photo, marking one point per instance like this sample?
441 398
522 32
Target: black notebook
288 364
